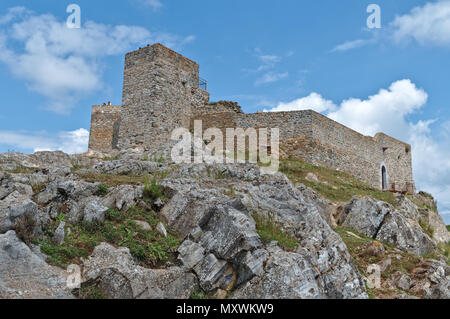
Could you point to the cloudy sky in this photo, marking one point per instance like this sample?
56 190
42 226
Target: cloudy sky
290 55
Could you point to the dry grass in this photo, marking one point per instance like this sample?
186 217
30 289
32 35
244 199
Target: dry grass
334 185
111 180
270 231
405 262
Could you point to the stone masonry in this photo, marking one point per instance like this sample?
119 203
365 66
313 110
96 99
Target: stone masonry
161 93
104 127
160 89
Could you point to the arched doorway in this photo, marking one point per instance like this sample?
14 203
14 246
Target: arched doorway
384 178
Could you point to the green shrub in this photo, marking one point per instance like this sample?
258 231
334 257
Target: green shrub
426 227
153 190
115 215
159 159
198 295
119 229
102 190
270 231
90 291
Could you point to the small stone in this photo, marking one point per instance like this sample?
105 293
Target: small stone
159 203
402 281
375 249
59 235
220 294
161 229
312 177
196 233
273 244
385 264
94 211
143 225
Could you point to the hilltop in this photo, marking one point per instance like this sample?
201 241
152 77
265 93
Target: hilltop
140 226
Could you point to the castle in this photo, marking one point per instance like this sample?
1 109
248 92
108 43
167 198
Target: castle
161 92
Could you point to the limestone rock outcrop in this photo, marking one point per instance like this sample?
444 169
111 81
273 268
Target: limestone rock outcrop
217 212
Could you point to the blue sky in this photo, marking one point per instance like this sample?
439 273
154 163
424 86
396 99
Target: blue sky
266 55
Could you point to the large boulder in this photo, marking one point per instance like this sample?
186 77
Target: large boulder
286 276
428 215
365 215
24 274
15 208
94 211
119 277
381 221
121 197
405 234
223 247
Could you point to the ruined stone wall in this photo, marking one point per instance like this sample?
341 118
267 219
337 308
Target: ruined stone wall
340 147
104 127
160 89
324 142
398 161
291 124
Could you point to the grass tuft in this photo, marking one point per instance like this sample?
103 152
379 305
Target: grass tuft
153 190
426 227
198 295
102 190
269 231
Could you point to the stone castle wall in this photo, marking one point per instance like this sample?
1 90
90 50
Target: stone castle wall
324 142
104 127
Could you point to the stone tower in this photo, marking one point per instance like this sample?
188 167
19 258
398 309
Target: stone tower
104 127
160 89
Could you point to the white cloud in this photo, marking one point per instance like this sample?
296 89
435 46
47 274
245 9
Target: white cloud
429 24
268 61
271 77
12 13
384 111
267 69
64 64
154 4
313 101
71 142
74 142
351 45
388 111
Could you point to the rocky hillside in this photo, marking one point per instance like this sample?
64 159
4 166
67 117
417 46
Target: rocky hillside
138 226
